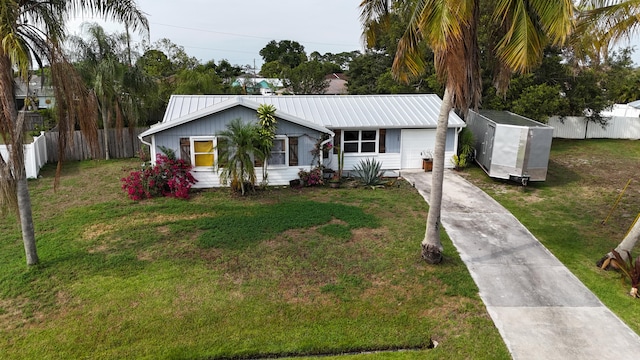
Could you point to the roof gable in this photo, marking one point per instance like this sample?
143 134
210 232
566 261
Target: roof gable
202 107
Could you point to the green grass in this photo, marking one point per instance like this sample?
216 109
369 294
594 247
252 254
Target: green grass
567 211
283 272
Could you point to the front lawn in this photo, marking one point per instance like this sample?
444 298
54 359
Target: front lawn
284 272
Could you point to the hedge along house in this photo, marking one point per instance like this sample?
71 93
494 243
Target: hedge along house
395 130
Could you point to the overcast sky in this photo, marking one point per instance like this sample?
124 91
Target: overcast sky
237 30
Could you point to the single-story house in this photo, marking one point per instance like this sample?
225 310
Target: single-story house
395 130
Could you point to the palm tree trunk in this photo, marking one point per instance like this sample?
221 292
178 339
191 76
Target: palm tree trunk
12 123
431 245
627 244
26 221
105 127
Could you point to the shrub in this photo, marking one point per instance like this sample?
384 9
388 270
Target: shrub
369 172
168 177
465 149
311 178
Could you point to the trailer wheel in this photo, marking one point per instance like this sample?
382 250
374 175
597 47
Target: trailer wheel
524 181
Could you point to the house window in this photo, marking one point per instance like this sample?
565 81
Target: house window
359 141
185 150
279 152
202 151
293 151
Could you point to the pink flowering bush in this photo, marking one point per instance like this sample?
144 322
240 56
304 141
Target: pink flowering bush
168 177
311 178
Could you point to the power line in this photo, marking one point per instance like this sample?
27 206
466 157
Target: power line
244 35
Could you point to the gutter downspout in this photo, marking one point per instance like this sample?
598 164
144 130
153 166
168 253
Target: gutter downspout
322 144
144 142
151 150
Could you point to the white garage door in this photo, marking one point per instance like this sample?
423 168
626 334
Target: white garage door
415 141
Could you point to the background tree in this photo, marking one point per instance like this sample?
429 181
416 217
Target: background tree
340 60
273 69
228 73
306 78
370 73
32 31
156 64
175 53
198 81
286 52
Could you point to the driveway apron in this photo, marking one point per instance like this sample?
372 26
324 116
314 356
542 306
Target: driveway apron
540 308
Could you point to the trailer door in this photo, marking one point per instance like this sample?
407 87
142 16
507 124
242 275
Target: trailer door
485 152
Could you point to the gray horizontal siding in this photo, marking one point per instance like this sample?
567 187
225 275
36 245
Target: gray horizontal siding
214 124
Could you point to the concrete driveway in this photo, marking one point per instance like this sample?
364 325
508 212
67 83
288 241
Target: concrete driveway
540 308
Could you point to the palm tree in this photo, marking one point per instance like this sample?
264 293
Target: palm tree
241 145
266 135
100 60
601 24
33 30
523 29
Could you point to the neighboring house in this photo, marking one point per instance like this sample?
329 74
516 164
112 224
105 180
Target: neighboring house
337 84
41 95
392 129
264 86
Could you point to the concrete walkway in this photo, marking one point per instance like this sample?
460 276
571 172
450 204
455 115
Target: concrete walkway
541 310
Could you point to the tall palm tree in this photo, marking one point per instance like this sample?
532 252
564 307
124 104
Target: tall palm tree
103 61
523 28
100 58
33 30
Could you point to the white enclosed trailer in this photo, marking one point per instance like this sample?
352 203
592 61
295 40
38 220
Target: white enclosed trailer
510 146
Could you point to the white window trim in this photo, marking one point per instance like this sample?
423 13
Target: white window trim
286 152
193 139
376 142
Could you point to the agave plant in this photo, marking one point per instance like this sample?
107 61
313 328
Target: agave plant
630 269
369 172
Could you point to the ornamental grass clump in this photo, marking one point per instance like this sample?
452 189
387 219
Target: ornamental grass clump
169 177
369 172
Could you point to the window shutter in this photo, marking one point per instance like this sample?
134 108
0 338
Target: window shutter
185 150
293 151
336 141
382 141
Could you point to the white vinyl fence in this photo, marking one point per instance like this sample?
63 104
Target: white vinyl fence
35 155
574 127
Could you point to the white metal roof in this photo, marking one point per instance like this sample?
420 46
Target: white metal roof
328 111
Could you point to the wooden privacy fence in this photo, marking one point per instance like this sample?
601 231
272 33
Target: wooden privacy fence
123 143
